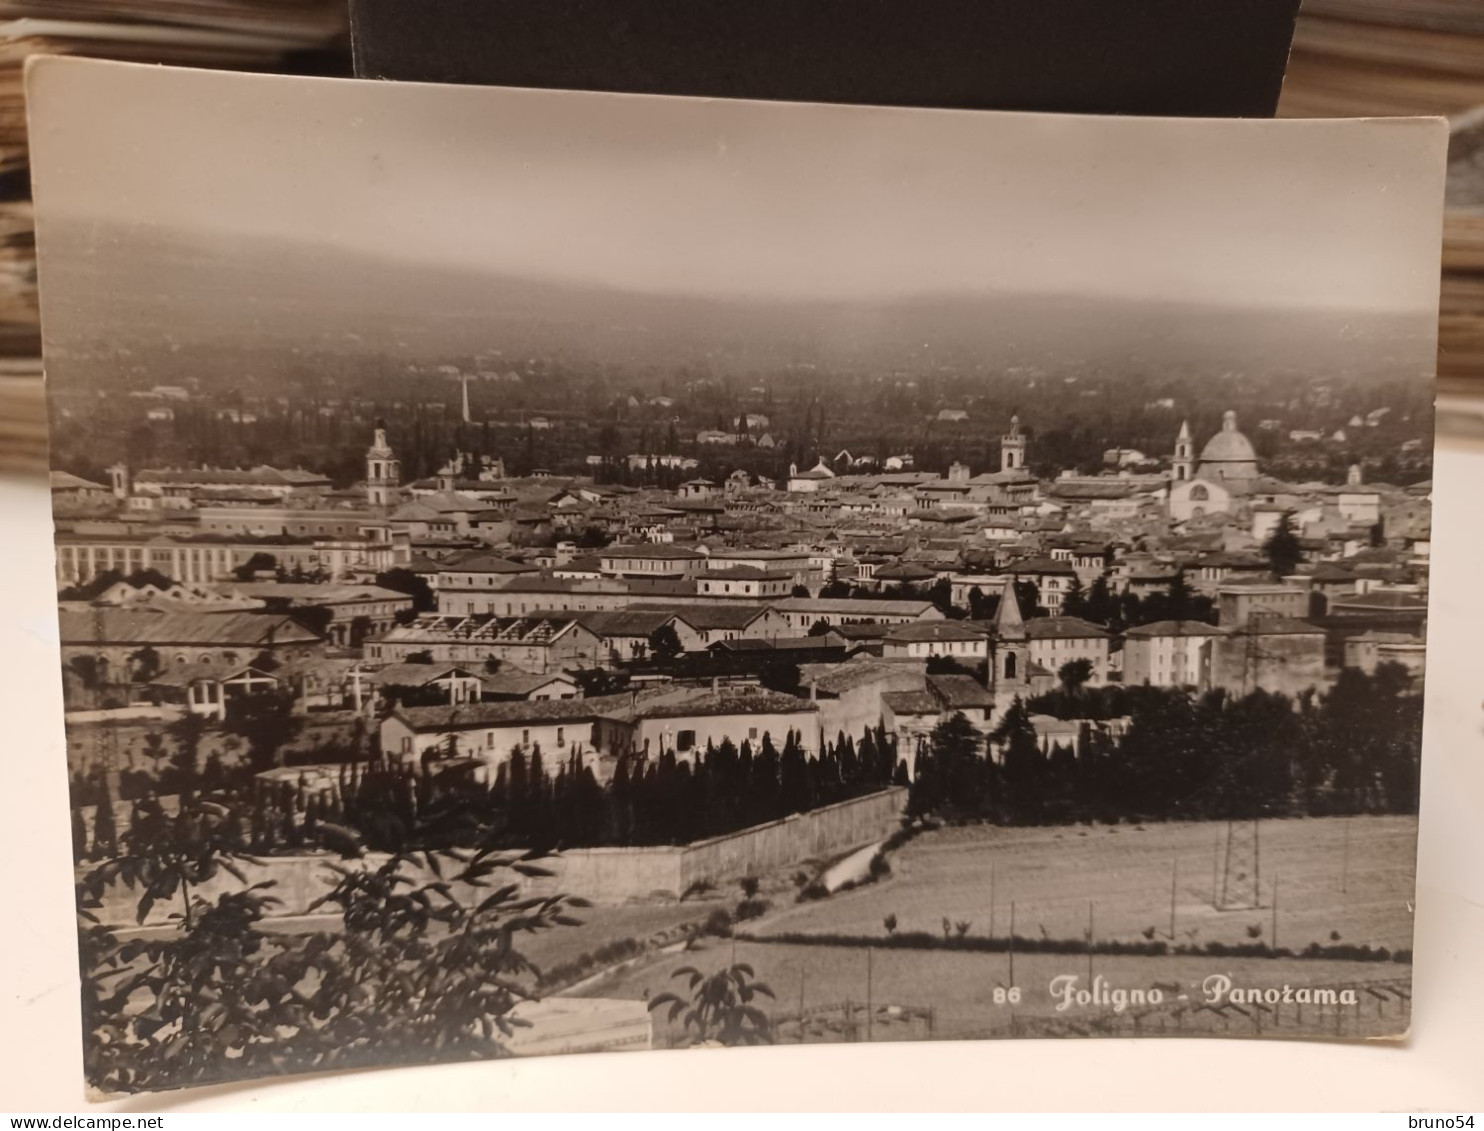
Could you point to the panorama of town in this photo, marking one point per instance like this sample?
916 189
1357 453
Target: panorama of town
871 726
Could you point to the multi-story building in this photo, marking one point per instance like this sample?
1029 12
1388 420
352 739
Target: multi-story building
356 611
651 560
465 582
1056 641
940 638
195 559
540 643
105 648
681 721
804 612
1171 653
744 581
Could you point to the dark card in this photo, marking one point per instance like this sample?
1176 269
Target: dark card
1222 58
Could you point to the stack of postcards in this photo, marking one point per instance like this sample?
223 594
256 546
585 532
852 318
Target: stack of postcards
1365 57
1461 325
1354 58
234 34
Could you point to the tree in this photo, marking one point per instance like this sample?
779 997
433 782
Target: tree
799 591
1028 594
425 656
105 829
90 590
821 627
1023 765
417 971
316 618
415 585
1074 601
146 663
89 670
1179 598
1073 674
260 561
1282 547
664 642
720 1007
267 722
981 606
186 732
940 593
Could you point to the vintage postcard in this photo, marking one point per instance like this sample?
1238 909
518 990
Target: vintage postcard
545 571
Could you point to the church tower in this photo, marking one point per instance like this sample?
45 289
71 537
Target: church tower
118 476
1009 652
1012 447
383 471
1183 465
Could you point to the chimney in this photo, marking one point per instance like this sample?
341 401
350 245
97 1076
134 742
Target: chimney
813 690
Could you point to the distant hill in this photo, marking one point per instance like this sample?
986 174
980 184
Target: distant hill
149 295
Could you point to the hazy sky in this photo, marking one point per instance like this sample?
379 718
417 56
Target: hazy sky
753 199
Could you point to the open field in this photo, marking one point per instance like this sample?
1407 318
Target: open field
973 874
1327 893
602 925
957 989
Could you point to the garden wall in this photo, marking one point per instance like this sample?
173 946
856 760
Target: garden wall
803 836
603 875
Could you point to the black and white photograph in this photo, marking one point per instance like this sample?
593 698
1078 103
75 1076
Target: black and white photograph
544 572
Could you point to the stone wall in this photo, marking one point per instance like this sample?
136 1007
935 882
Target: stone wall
603 875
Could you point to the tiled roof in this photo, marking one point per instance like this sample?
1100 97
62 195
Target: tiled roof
708 618
484 563
1176 628
128 626
1063 628
257 476
960 692
661 550
933 631
911 702
852 607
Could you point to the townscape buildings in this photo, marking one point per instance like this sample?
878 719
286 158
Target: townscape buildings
469 614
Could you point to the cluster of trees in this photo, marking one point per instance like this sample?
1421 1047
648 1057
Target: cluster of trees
1118 612
1096 603
1184 756
530 803
663 800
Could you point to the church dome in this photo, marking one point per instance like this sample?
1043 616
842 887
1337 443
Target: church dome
1229 452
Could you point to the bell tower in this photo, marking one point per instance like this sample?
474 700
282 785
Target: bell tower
1012 447
383 470
1183 465
1009 651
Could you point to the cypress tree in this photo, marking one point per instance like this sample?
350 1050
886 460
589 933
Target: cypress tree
105 831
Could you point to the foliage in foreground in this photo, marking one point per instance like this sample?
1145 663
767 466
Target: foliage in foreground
416 970
720 1008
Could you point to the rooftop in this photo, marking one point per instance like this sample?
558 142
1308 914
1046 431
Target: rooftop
1175 628
1063 628
935 631
852 607
130 626
960 692
662 550
911 702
